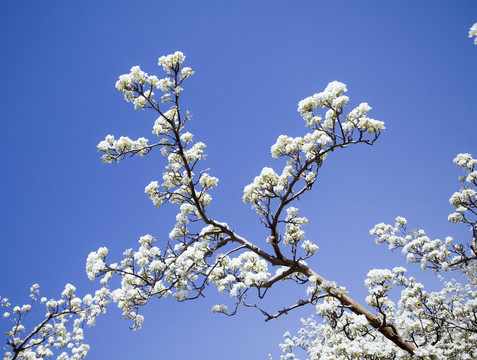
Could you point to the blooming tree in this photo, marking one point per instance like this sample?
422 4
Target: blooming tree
203 251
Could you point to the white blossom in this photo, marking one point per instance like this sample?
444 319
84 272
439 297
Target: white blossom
473 32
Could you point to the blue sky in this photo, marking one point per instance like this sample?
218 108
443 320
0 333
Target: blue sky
254 60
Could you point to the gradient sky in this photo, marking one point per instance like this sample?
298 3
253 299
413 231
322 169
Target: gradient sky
412 61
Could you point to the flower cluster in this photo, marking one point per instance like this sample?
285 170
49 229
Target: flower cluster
242 272
473 32
332 98
465 200
293 231
176 187
138 272
436 254
163 124
379 283
172 61
137 87
179 272
132 85
341 337
62 327
116 149
95 263
268 183
419 248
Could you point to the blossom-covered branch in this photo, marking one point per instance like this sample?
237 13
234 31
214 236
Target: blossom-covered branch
438 325
191 260
57 330
436 254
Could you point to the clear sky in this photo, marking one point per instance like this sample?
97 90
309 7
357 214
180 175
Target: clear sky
254 60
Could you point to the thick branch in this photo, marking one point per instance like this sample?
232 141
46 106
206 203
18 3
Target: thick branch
388 331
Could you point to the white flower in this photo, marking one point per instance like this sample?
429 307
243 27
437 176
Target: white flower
219 309
69 290
473 32
170 61
309 247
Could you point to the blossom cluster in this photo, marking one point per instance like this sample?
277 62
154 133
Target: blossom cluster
293 231
242 272
328 287
132 86
177 187
333 99
178 272
268 183
115 149
417 246
169 62
62 327
436 254
473 32
340 337
465 200
137 87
